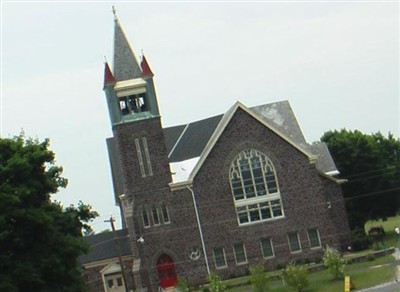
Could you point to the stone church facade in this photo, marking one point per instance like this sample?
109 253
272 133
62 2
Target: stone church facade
212 196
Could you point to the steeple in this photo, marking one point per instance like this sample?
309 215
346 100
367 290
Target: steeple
126 65
129 88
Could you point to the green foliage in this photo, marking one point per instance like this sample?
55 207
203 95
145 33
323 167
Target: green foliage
371 163
39 240
296 276
215 283
359 240
183 285
334 262
258 278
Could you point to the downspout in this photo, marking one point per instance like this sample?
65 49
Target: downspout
200 230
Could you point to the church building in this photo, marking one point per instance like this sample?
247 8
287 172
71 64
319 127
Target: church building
212 196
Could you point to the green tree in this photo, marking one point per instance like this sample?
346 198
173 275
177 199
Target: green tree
40 241
371 164
296 276
258 278
334 262
215 283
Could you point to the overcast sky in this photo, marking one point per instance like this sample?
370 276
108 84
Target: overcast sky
336 63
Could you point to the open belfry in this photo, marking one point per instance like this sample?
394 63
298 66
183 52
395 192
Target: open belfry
216 195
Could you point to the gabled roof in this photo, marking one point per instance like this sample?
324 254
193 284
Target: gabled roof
224 122
195 140
102 246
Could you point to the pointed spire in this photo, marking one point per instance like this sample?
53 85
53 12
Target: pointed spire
146 71
108 76
126 65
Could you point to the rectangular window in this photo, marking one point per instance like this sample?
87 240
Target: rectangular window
240 253
165 214
110 283
146 153
276 208
219 257
145 217
294 242
119 282
242 214
313 237
156 219
267 249
140 158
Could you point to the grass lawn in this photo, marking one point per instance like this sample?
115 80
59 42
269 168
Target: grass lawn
363 275
389 225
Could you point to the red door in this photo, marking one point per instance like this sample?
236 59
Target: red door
166 271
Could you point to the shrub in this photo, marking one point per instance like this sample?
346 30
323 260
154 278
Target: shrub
359 240
296 277
334 262
370 257
183 285
215 284
258 278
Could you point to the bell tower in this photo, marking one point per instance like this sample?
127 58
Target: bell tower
137 150
129 88
135 119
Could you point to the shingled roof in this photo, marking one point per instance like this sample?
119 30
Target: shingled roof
102 246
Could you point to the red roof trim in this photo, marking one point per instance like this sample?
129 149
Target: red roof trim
108 76
146 71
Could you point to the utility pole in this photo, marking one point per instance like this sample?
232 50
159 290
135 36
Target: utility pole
118 251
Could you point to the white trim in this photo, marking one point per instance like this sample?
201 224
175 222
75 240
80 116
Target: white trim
180 185
309 239
130 87
144 210
244 252
106 262
158 216
131 83
200 229
298 240
272 247
333 172
162 213
215 262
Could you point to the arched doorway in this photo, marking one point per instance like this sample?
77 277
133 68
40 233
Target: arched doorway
166 271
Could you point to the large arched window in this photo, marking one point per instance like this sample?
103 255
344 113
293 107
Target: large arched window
255 188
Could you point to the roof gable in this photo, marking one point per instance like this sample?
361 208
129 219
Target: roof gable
221 127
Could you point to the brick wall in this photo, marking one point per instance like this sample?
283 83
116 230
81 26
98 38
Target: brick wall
305 195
